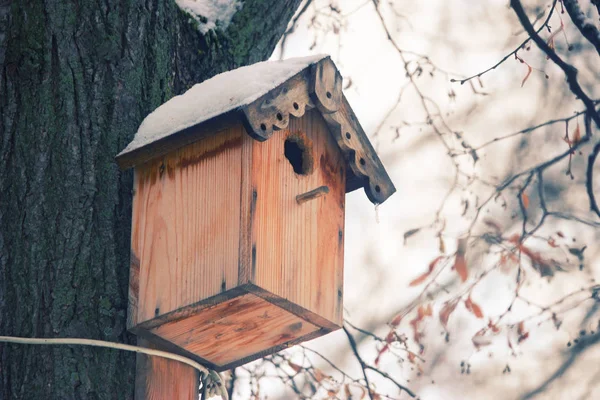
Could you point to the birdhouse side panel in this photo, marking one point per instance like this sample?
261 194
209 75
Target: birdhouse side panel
298 179
186 224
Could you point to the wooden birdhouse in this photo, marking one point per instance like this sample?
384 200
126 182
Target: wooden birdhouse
237 241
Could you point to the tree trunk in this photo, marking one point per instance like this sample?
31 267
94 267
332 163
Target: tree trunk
77 77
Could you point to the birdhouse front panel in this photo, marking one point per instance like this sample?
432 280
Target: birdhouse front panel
298 246
238 211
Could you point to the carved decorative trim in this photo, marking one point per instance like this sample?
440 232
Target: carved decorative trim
273 110
321 86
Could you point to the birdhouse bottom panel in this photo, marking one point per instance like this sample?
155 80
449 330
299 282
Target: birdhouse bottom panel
236 331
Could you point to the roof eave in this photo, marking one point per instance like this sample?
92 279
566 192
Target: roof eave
319 85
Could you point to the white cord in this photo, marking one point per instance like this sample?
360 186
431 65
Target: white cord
111 345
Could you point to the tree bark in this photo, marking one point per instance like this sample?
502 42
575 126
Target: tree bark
77 77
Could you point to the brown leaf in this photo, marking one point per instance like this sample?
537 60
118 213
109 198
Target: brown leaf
364 393
448 309
460 263
521 332
347 391
442 245
529 69
297 368
525 200
397 319
319 375
576 135
380 353
421 278
422 312
473 307
493 327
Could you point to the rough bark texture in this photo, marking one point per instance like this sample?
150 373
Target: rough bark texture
76 79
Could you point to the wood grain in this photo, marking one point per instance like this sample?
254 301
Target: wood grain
158 378
299 247
235 329
186 224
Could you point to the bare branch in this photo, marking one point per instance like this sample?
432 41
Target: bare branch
521 46
585 25
569 70
364 366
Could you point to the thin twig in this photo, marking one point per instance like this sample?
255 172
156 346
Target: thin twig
569 70
522 45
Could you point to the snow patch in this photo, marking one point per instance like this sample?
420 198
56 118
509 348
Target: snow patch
211 14
215 96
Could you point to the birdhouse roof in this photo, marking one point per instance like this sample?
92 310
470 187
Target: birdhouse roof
263 97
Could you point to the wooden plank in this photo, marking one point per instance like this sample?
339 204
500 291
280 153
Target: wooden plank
158 378
294 242
235 329
186 224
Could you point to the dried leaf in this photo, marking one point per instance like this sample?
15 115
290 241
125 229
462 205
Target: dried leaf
364 393
493 327
460 263
380 353
445 312
521 332
421 278
410 233
347 391
473 307
442 245
479 340
525 200
422 312
529 69
576 135
319 375
493 224
577 252
397 319
297 368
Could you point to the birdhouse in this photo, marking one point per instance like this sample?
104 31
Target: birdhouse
237 242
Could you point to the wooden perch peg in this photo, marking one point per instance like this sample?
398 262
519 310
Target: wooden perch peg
312 194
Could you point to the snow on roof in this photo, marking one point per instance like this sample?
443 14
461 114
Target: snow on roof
211 14
215 96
